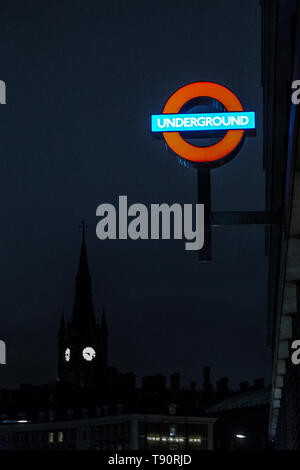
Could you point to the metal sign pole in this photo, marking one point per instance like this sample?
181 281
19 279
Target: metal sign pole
204 197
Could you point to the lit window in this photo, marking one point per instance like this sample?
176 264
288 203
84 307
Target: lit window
60 437
51 437
172 409
195 440
172 430
166 439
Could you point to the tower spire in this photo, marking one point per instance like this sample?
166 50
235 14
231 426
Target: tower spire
103 325
83 226
83 310
62 328
82 334
83 268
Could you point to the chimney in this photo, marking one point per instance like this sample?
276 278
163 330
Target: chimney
244 386
175 382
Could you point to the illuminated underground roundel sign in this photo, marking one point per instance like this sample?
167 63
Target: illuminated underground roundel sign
172 124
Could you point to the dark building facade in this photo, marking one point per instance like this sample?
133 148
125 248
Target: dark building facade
120 432
281 67
242 418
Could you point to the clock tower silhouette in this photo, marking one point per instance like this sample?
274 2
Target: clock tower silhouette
82 342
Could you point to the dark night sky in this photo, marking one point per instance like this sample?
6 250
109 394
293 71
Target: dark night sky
82 79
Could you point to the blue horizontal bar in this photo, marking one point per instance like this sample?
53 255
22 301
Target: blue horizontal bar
202 122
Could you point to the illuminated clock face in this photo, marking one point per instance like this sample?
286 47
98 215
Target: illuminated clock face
67 354
88 353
